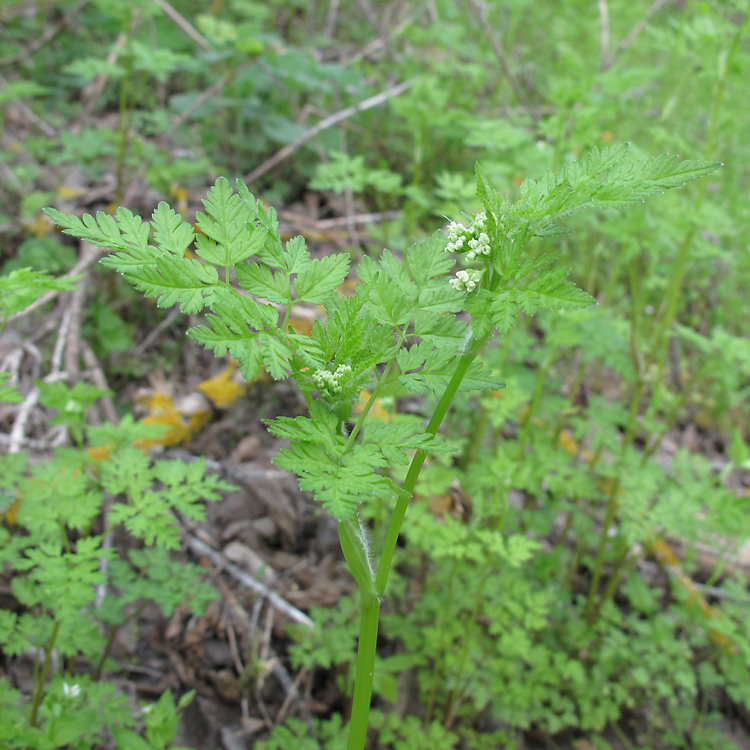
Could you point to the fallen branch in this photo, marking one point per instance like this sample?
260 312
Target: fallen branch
200 548
326 123
185 25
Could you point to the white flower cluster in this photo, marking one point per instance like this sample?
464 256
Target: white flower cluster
327 380
474 237
466 280
458 236
479 246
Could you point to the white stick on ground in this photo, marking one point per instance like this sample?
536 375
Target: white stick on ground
274 599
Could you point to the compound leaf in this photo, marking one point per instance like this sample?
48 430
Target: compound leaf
317 282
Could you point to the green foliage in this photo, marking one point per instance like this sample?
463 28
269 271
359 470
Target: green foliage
56 564
544 463
394 302
8 393
160 719
74 712
22 287
399 329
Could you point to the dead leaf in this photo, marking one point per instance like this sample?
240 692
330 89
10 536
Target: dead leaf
225 388
184 418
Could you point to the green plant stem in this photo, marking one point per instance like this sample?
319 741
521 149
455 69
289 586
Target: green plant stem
368 641
111 639
394 527
36 700
596 576
370 598
289 303
575 561
591 611
468 636
375 391
618 572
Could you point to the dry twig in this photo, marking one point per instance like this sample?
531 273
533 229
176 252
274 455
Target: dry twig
99 379
153 335
185 25
88 256
291 695
324 124
200 548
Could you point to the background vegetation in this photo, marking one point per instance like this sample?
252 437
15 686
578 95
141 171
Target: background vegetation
609 607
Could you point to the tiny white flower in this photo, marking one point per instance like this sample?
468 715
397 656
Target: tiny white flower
454 230
71 691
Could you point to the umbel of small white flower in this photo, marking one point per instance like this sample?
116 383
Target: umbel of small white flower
466 280
472 238
330 381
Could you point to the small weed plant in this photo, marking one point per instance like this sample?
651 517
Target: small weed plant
74 590
413 325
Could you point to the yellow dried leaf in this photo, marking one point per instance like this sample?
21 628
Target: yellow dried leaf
180 194
101 453
223 390
665 555
163 411
69 191
11 515
568 442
